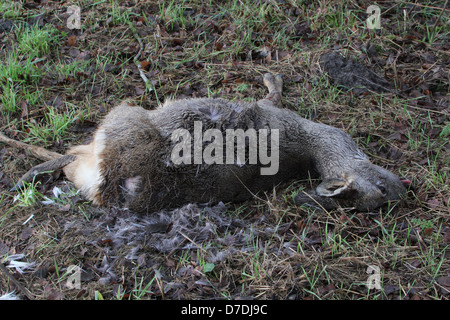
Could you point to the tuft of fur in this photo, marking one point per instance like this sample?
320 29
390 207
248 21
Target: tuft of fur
9 296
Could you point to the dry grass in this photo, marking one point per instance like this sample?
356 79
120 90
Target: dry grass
266 248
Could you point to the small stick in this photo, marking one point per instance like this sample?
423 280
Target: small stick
440 15
136 57
36 151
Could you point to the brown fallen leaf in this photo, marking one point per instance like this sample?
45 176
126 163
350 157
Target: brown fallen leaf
71 41
64 208
139 91
428 231
26 233
24 107
444 281
73 52
326 289
433 203
55 295
83 56
301 224
145 65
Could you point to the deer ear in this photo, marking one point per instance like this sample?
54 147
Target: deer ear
333 187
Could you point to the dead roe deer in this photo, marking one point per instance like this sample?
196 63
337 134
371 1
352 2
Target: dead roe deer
130 162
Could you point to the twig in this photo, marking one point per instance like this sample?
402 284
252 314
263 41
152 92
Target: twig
16 283
136 57
192 241
426 6
440 15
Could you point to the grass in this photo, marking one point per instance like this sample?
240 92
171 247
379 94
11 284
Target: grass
35 41
118 16
53 128
174 13
28 194
221 49
9 97
22 69
11 9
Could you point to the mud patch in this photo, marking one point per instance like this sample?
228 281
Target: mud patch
352 75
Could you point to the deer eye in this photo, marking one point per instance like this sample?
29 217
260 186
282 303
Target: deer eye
382 189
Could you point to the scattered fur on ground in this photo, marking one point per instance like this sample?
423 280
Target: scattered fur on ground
189 227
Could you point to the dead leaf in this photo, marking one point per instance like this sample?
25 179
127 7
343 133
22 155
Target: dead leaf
390 289
65 208
71 41
398 136
301 224
26 233
414 264
363 220
447 235
444 281
283 54
24 107
55 295
269 57
394 153
326 289
170 263
56 102
308 86
139 91
83 251
142 260
85 55
73 52
433 203
145 65
178 41
81 293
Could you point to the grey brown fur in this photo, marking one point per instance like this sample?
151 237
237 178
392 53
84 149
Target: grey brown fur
133 148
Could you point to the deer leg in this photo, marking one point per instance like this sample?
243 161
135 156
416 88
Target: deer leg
44 167
36 151
275 86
